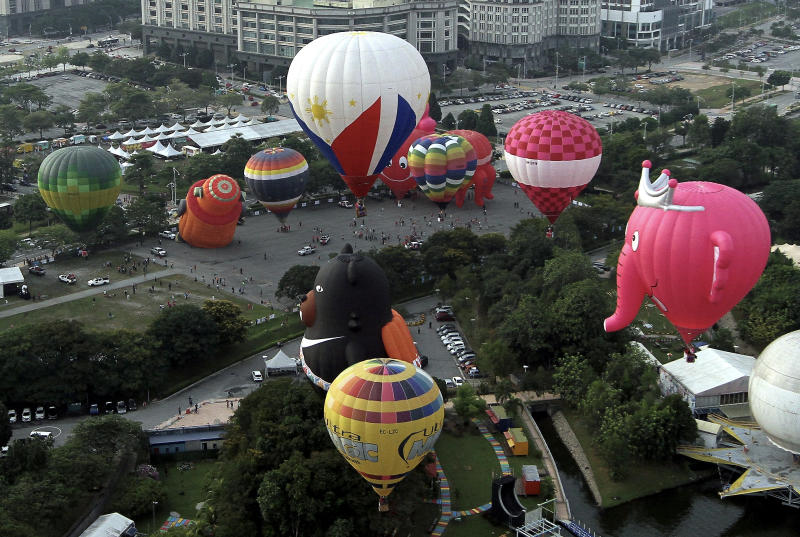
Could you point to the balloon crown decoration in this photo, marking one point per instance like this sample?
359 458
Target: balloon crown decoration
660 192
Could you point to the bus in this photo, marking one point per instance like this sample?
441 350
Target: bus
110 41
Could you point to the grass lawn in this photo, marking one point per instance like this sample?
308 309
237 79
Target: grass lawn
716 96
746 14
643 480
184 490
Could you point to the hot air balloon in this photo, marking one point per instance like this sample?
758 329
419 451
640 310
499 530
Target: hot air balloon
80 184
552 155
694 248
384 416
277 177
440 165
358 96
397 175
349 318
485 174
210 212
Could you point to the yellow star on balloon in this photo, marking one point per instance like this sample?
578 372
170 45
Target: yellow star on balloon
352 102
318 111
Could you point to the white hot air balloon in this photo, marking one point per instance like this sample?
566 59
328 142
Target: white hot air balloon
358 96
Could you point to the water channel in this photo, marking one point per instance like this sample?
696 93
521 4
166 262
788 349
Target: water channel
691 511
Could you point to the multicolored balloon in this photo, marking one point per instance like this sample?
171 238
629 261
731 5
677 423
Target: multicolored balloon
358 95
553 155
695 248
277 178
441 164
80 184
397 175
384 416
210 212
485 174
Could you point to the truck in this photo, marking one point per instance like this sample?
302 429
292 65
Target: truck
77 139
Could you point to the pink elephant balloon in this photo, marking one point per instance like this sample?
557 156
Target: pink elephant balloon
485 174
695 248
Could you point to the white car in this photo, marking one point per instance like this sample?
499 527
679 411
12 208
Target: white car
12 416
68 278
167 234
346 204
256 376
26 415
159 251
39 413
305 250
98 281
458 381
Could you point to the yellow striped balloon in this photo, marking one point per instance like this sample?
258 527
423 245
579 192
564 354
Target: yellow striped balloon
384 416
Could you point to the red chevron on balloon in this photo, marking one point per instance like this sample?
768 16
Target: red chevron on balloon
354 148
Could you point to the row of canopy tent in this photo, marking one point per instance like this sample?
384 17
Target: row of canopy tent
159 149
239 121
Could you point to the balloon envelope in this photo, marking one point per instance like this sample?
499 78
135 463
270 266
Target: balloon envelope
212 208
80 184
397 175
440 165
485 174
384 416
553 155
695 248
358 96
277 178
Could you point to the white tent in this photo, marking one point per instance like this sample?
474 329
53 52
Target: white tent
177 127
164 136
158 148
280 363
148 130
124 166
116 136
197 124
211 128
218 152
190 132
11 277
238 124
170 152
129 141
119 152
131 134
241 117
148 138
162 128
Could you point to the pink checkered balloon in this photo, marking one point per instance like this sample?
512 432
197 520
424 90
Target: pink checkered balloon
553 155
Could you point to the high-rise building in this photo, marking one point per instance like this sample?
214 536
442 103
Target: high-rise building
660 24
17 15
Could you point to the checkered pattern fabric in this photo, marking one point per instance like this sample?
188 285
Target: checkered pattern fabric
551 201
553 135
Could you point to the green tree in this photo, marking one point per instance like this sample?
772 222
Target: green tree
270 104
572 375
229 100
11 120
449 122
485 124
79 59
401 267
30 208
5 426
231 326
55 237
91 107
38 121
496 358
184 333
700 131
237 151
63 118
723 340
113 229
467 120
136 495
141 171
435 111
779 78
8 244
467 404
147 213
296 282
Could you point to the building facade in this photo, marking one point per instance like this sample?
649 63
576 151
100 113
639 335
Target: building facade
17 15
661 24
265 35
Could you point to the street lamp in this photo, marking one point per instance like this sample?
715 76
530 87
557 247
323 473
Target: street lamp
231 66
154 514
280 87
184 54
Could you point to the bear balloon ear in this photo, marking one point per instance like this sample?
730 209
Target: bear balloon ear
352 270
198 192
347 249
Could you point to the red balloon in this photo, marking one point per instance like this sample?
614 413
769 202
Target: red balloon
695 248
485 174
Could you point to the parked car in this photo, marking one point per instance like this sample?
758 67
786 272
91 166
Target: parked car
39 415
306 250
346 204
324 239
475 374
98 281
167 234
444 316
12 416
121 408
109 407
449 384
458 381
444 327
159 251
131 405
37 270
256 376
26 415
94 410
68 278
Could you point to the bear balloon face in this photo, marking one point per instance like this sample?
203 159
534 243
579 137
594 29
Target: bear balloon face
694 248
344 315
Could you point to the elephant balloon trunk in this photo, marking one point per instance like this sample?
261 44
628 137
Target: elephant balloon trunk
629 294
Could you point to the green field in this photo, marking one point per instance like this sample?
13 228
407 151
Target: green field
716 96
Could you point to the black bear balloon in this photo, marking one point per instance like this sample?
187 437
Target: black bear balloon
349 318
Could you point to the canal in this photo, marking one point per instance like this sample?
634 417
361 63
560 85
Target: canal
691 511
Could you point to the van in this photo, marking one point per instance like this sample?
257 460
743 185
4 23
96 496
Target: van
77 139
190 150
25 148
42 145
92 139
44 435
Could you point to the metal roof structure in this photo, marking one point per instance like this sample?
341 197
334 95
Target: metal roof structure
252 132
714 372
768 470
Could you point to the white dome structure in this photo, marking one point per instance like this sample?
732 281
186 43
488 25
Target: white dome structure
774 392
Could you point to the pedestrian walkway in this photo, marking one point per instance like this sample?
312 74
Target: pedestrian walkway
505 468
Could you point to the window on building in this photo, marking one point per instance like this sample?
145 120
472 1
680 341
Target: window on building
424 35
426 46
424 24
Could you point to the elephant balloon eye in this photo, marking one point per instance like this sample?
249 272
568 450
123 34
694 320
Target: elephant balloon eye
318 289
635 241
403 163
